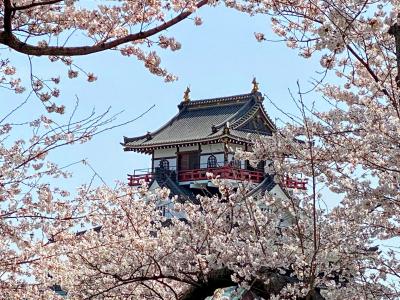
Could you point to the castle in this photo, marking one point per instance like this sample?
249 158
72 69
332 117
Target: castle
202 138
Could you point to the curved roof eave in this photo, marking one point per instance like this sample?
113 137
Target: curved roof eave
126 139
252 104
218 138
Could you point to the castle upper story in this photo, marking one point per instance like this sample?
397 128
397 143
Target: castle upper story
202 138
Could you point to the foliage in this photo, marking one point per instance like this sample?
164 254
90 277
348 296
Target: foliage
336 252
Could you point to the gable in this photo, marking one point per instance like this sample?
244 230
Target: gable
256 124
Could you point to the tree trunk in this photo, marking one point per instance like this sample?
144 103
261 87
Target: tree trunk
222 278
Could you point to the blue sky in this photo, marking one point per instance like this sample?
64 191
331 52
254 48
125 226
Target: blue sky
217 59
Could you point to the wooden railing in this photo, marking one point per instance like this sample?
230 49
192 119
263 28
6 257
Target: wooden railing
225 172
136 179
295 183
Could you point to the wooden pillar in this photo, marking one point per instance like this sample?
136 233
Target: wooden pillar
246 162
177 159
200 166
152 161
226 152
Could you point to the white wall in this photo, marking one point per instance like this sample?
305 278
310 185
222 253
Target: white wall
206 151
278 193
169 152
188 148
287 217
212 148
234 148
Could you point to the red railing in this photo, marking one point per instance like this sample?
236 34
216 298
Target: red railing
226 172
295 183
135 180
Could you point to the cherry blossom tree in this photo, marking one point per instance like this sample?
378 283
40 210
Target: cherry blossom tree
353 147
347 32
224 241
62 29
343 250
35 208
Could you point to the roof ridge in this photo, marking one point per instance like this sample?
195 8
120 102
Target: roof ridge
243 108
132 139
150 134
225 99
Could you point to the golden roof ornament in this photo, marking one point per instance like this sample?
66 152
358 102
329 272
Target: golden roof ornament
226 128
255 85
186 95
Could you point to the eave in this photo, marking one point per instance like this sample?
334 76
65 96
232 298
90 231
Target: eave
229 138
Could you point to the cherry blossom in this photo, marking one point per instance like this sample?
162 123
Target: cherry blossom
114 242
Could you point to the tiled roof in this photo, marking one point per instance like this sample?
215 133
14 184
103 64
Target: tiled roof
264 186
245 135
204 120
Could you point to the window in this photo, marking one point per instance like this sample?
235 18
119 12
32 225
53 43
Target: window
164 164
261 165
236 163
212 161
163 210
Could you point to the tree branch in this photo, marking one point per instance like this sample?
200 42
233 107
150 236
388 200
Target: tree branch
221 278
10 40
7 17
34 4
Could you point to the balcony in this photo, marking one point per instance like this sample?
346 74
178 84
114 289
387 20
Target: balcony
139 176
295 183
225 172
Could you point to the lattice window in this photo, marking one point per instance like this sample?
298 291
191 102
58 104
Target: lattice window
212 161
164 164
236 163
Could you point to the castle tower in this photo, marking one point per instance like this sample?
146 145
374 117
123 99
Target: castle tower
202 138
